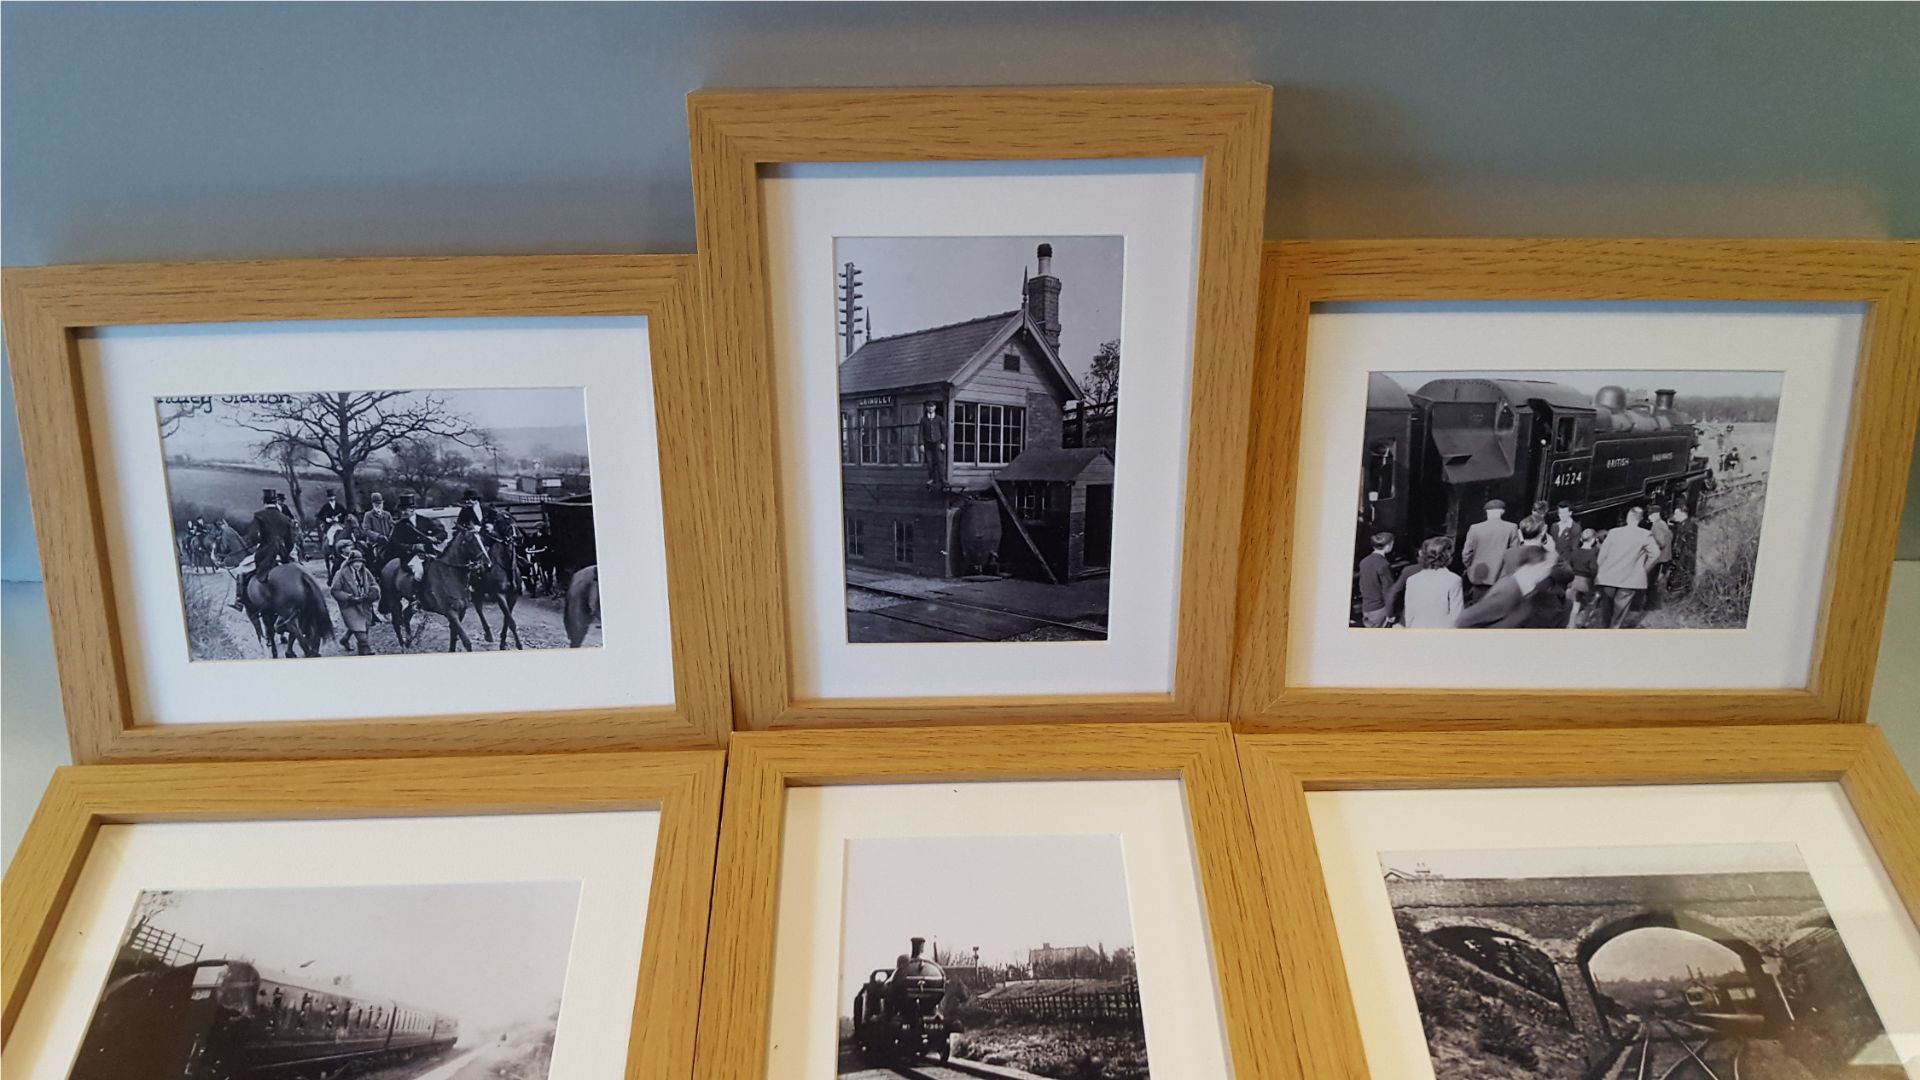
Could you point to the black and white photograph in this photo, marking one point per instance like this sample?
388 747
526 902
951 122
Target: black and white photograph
381 522
387 982
1019 965
1685 962
1599 500
979 387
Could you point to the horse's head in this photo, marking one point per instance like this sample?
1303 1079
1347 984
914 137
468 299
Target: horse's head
468 550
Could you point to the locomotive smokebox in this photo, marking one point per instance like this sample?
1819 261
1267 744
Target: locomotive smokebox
918 944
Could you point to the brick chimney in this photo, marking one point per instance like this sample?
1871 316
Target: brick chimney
1043 298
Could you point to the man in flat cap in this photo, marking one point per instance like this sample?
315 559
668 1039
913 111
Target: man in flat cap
1486 546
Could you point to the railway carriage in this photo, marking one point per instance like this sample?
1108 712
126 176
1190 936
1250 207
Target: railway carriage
1433 457
227 1020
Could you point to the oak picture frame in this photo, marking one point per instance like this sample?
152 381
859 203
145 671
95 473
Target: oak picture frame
684 786
1280 769
47 308
763 766
737 133
1882 276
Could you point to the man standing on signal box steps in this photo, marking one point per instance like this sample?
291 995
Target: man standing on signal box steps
933 446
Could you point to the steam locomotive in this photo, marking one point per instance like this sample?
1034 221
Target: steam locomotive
225 1020
1434 457
898 1013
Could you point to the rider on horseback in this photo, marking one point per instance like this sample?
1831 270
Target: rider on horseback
413 538
273 544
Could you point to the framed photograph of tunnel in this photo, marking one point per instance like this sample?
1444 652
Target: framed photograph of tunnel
384 505
417 919
988 394
1695 454
947 906
1579 904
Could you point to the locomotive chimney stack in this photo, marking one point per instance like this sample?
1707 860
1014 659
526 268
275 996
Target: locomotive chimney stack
918 944
1663 400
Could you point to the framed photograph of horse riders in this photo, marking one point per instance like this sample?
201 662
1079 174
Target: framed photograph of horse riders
972 899
297 509
529 916
952 500
1669 472
1734 901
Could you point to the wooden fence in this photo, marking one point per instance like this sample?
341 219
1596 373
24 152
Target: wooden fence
1120 1002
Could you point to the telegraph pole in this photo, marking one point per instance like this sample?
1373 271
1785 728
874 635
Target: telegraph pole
850 309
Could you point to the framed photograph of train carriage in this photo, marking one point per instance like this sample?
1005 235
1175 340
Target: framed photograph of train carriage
372 505
403 918
985 357
1008 901
1739 901
1668 472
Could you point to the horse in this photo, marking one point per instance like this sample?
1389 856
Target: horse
499 581
442 589
583 604
286 602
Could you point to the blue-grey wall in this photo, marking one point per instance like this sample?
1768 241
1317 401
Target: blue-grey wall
170 131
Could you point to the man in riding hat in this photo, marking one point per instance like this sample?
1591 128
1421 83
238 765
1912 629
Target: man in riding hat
413 538
470 515
273 543
356 590
377 523
329 512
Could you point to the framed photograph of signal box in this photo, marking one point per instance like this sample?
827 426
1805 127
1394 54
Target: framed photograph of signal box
1668 473
1739 901
984 355
535 917
1071 900
371 506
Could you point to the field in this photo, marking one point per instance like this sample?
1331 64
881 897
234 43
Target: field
1085 1050
233 493
1729 550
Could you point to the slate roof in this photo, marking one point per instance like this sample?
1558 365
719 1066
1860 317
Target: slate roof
934 355
1057 464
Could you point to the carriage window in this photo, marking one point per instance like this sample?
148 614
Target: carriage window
1562 434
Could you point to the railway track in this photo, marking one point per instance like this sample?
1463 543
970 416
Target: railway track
930 1069
1666 1050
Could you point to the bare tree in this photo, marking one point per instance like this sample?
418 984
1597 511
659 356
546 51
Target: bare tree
340 431
285 451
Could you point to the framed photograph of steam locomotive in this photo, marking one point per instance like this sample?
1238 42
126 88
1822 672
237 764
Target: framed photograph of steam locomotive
1582 903
407 919
376 506
957 503
1696 454
947 905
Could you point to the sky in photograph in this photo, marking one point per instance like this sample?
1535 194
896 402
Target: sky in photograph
211 432
1764 384
489 954
914 283
1005 894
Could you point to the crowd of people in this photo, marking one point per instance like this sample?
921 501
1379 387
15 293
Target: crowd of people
1540 572
375 534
